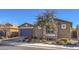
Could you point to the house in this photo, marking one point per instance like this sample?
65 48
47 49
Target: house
14 30
63 30
26 29
75 33
8 30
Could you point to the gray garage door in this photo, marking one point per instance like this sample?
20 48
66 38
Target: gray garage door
26 32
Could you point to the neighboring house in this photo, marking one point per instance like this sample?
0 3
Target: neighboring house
74 33
26 29
63 30
9 30
14 31
2 33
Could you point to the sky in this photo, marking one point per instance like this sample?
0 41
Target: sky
20 16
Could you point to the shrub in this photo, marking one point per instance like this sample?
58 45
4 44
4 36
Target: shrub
50 42
63 41
60 42
53 42
1 37
34 37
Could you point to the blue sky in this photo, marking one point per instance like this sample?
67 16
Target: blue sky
19 16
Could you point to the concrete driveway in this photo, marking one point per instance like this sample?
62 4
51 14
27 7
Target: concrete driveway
6 42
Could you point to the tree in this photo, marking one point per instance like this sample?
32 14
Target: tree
77 28
7 29
47 19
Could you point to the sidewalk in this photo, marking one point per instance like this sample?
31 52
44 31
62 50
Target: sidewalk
41 45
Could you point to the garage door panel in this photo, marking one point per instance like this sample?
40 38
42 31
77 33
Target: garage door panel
26 32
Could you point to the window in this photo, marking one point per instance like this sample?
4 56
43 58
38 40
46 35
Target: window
50 31
63 26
